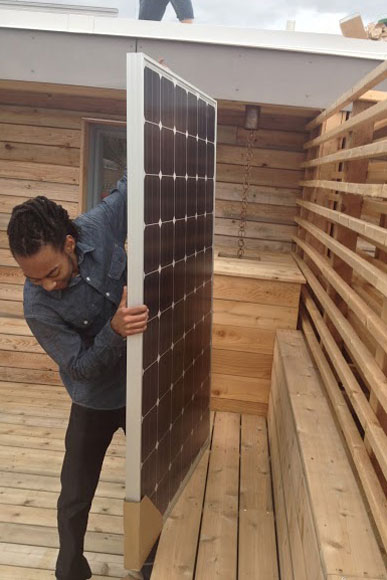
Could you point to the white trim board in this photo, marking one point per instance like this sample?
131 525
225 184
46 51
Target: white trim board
136 174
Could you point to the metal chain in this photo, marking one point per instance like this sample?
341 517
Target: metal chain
245 192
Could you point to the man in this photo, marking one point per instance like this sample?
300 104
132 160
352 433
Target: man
75 304
155 10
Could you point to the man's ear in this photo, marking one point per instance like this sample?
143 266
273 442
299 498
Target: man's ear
69 246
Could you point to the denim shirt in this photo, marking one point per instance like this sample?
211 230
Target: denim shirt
73 325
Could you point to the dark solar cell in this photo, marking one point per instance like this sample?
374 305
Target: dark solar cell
167 151
181 103
152 149
192 114
180 197
152 293
202 119
191 197
152 199
181 154
152 96
167 103
167 198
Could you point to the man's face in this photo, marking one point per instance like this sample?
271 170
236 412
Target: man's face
51 268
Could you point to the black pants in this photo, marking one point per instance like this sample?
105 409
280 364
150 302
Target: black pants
88 436
155 9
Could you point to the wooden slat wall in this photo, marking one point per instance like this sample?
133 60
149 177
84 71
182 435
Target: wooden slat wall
40 154
275 173
342 252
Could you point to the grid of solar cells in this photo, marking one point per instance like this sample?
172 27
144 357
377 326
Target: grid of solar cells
178 212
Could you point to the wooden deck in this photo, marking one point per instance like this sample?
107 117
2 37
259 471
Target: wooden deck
222 526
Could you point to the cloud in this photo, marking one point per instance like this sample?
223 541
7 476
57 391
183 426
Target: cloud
320 15
310 15
259 14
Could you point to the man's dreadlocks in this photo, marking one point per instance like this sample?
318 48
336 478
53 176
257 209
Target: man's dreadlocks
37 222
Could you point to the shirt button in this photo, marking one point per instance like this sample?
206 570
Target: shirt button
107 294
87 278
85 322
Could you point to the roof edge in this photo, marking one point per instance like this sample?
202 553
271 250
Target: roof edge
306 42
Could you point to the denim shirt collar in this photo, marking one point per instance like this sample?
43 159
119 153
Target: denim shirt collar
81 249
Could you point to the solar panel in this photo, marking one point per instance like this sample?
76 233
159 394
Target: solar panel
171 157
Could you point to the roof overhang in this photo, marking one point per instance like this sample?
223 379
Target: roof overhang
249 65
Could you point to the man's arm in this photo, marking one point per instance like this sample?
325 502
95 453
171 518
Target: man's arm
65 346
112 211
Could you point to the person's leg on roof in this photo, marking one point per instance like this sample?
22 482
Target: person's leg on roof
152 9
184 10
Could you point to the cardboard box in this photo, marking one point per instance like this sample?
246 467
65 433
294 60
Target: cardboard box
353 27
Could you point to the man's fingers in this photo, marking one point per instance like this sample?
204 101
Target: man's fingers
124 297
136 325
135 330
130 319
135 310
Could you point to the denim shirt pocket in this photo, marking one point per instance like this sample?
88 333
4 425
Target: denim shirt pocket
118 263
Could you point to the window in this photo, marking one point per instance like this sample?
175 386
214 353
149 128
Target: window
104 159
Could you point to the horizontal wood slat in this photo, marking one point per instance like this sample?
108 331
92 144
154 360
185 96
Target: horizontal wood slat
257 212
8 202
259 176
12 151
39 172
376 234
277 140
26 188
370 151
40 135
260 157
371 115
39 117
363 189
371 80
257 230
360 265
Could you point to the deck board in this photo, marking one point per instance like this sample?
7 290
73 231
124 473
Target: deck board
200 537
217 555
257 542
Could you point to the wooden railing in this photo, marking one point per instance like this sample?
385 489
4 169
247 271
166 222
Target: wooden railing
342 252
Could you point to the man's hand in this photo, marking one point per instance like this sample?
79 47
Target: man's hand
128 321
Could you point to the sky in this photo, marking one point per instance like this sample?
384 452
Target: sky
309 15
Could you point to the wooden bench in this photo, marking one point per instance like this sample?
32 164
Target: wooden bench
252 299
324 531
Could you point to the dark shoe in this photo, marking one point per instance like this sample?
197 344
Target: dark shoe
146 571
147 568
